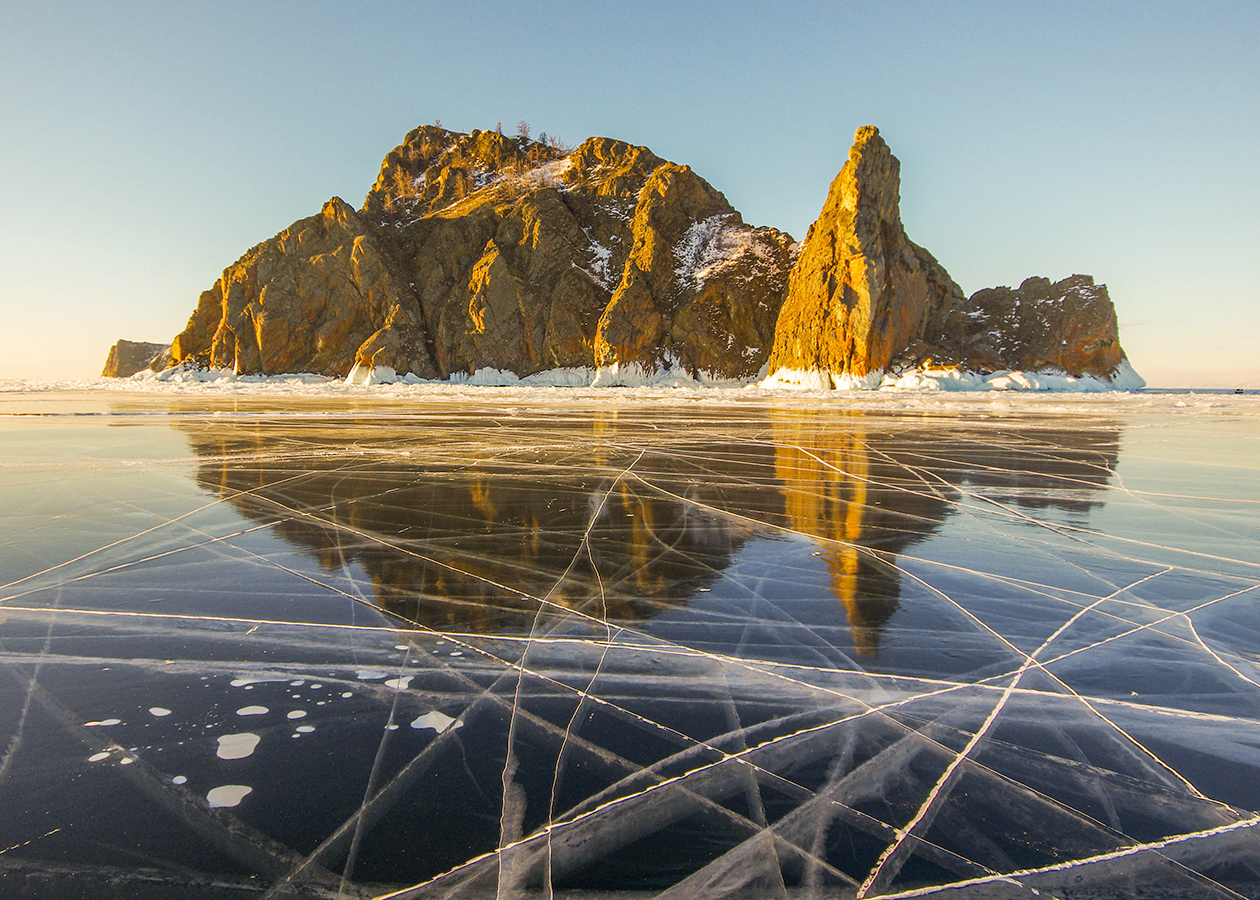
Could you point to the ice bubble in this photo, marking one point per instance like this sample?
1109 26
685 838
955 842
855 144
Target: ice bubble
179 779
97 757
227 795
102 722
159 711
297 714
399 684
237 746
305 729
252 711
439 722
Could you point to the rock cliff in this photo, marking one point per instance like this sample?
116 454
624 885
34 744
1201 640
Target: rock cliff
1069 325
861 291
863 299
482 250
126 358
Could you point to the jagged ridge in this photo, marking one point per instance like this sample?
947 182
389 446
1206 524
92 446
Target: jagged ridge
481 251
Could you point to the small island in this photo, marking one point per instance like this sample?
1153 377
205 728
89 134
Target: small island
608 266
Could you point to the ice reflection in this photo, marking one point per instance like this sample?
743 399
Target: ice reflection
633 650
613 519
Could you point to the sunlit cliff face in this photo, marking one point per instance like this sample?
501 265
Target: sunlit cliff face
492 524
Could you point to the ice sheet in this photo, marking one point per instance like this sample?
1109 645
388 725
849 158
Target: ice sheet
509 644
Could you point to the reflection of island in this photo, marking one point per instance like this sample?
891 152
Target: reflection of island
461 539
871 487
460 532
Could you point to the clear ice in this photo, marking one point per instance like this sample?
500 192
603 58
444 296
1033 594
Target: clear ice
544 645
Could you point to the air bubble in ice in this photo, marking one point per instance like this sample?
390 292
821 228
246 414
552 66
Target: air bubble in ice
237 746
227 795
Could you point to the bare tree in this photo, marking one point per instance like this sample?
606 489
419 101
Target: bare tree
498 129
522 128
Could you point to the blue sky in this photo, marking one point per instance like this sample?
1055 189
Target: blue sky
144 147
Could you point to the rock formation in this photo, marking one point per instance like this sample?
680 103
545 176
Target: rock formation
861 291
480 251
1069 325
863 299
126 358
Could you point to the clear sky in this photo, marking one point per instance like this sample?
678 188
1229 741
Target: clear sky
146 146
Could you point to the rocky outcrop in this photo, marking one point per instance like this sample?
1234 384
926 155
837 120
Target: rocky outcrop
1069 326
481 250
861 291
306 301
126 358
864 300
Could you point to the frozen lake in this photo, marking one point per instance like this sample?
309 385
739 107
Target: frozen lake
314 641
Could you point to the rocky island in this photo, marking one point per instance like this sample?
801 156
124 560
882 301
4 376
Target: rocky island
483 251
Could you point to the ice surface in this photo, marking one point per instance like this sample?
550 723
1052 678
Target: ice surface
639 643
372 380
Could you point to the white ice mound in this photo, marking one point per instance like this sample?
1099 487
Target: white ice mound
821 380
956 379
362 374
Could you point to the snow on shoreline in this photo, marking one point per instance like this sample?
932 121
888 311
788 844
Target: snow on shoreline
925 390
951 379
673 377
937 391
784 382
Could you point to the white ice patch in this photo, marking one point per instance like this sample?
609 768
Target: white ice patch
102 723
237 746
227 795
252 711
97 757
399 684
671 377
297 714
306 729
439 722
714 244
247 680
362 374
821 380
179 779
159 711
953 379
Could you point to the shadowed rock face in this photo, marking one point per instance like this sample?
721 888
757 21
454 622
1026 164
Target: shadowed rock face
482 250
126 358
1068 325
